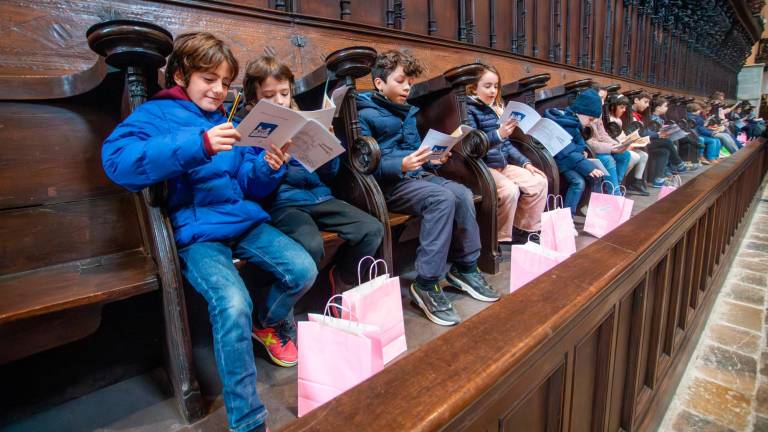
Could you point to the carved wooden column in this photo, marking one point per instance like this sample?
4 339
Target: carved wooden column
139 49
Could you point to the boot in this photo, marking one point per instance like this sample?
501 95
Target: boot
636 186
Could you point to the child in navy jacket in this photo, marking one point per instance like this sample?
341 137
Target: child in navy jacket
521 187
303 204
448 227
572 161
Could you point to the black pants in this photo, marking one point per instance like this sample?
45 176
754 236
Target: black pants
674 156
689 148
362 233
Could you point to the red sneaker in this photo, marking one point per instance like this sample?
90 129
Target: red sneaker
280 347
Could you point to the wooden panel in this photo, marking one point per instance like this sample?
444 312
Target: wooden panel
482 22
540 411
620 367
325 9
372 12
590 378
447 17
52 153
39 236
416 17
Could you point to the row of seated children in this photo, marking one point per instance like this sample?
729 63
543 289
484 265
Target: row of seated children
217 195
227 201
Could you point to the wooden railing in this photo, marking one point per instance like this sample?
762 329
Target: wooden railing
598 343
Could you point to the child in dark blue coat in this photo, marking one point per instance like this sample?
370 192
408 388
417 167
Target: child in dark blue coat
448 226
303 204
521 187
182 137
572 161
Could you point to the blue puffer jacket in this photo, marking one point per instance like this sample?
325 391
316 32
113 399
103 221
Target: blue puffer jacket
211 198
501 152
572 156
701 130
393 126
301 187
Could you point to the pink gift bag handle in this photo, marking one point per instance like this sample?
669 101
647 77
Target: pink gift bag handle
554 202
327 311
374 267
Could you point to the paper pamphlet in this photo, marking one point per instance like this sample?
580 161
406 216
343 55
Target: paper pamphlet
337 97
673 132
524 114
599 165
634 140
547 132
313 144
441 143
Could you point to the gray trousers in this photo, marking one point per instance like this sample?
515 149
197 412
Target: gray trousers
448 226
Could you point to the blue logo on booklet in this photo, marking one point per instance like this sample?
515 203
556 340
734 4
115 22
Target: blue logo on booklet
263 130
439 149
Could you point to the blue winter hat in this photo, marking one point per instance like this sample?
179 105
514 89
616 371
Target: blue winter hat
588 103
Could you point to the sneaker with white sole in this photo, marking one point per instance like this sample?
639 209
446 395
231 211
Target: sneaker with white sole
435 305
473 284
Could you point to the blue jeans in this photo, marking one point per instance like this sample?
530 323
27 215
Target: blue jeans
576 185
616 164
208 268
728 142
711 147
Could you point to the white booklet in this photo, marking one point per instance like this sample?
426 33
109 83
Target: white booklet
337 97
599 165
547 132
440 143
313 144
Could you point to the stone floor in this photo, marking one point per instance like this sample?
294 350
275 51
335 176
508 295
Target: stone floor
725 387
137 405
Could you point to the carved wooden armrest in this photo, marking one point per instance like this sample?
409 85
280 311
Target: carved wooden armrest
653 126
633 126
475 144
613 129
364 155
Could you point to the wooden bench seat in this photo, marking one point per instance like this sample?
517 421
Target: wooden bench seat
78 283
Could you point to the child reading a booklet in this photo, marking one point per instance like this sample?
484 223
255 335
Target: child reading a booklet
572 160
521 187
659 144
182 136
617 105
303 205
613 154
407 176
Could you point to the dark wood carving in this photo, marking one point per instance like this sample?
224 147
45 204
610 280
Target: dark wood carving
139 49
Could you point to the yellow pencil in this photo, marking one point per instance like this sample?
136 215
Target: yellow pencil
234 107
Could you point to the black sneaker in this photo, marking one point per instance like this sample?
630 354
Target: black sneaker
434 304
473 284
520 236
636 186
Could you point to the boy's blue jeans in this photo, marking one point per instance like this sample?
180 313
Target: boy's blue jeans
711 147
576 185
616 164
208 267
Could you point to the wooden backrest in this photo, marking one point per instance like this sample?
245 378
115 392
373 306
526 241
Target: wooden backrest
56 203
560 96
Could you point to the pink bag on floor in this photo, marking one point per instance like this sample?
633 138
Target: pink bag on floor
677 181
557 230
378 302
606 212
334 355
529 261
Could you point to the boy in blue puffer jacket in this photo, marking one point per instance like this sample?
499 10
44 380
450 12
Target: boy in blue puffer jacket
521 187
303 204
572 161
182 136
448 226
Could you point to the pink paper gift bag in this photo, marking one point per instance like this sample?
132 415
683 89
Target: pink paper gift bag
677 181
379 304
334 355
529 261
557 230
606 212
